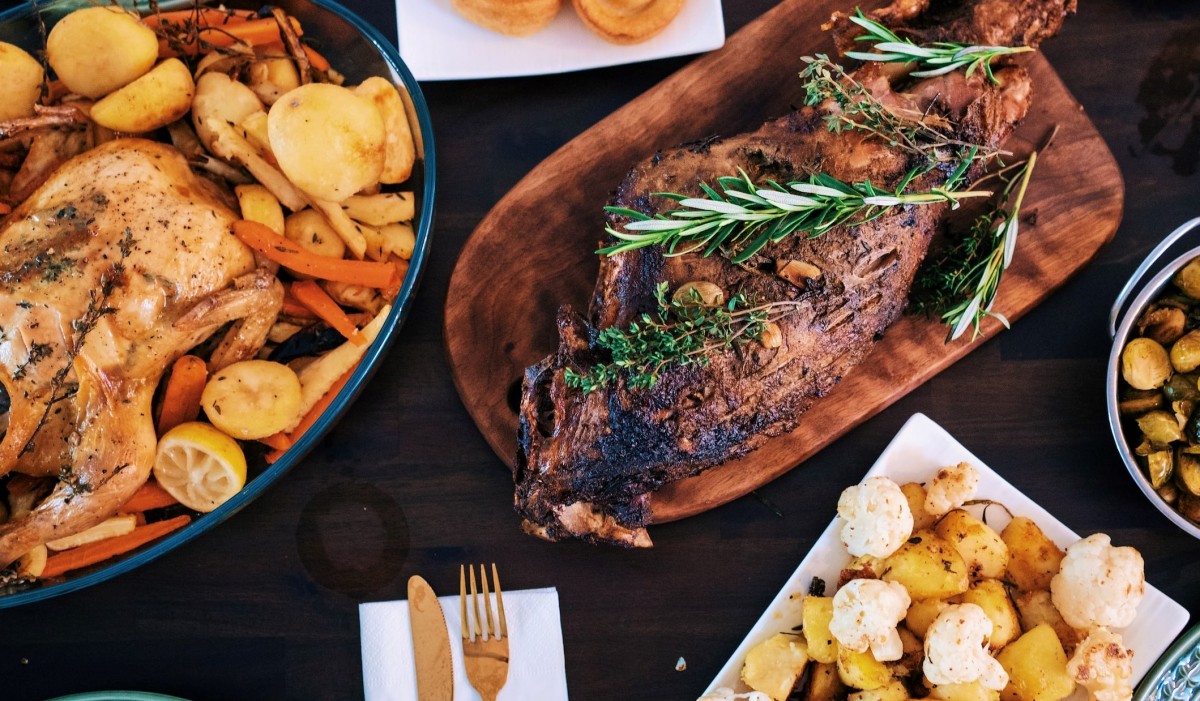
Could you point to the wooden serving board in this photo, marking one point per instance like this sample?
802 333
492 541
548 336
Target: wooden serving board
535 250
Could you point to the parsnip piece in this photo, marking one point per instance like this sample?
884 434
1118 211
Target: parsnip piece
230 145
108 528
383 208
345 227
222 98
318 376
259 205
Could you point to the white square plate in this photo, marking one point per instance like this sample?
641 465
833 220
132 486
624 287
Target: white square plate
437 43
914 455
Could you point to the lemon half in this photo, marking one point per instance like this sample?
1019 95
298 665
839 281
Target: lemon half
199 465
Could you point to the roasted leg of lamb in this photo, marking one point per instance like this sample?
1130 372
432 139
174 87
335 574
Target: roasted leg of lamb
587 461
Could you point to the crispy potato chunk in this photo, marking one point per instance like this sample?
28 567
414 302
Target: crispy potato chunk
1036 666
990 595
1033 559
774 665
928 566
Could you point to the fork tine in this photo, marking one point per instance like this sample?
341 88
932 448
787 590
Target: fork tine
487 603
478 622
462 601
499 602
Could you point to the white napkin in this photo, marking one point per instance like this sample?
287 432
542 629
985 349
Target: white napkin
536 670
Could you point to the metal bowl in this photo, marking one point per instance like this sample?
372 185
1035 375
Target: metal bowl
358 51
1121 329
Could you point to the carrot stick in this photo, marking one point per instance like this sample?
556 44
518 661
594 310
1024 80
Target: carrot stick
314 413
390 292
279 249
312 296
148 496
293 307
251 33
201 17
317 60
181 400
100 551
279 441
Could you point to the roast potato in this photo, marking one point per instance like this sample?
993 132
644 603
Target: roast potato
1033 558
20 82
981 548
97 50
815 614
928 566
224 99
972 691
1036 666
915 494
401 152
824 684
151 102
309 229
991 596
860 670
259 205
892 691
1036 608
328 141
774 665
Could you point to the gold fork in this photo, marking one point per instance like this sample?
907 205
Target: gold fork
484 655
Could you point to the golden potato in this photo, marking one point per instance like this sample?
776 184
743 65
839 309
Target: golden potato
860 670
401 151
774 665
272 78
1033 558
824 684
981 548
913 655
1036 608
97 50
991 596
928 566
309 229
151 102
816 612
915 494
921 614
253 399
972 691
20 82
328 141
1036 666
892 691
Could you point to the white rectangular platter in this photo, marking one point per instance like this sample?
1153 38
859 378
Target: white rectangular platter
915 455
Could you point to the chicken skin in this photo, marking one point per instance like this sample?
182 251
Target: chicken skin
121 262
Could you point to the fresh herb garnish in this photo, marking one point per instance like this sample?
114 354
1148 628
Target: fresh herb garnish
923 134
934 59
685 330
961 285
743 218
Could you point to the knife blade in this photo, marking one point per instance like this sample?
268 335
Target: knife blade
431 643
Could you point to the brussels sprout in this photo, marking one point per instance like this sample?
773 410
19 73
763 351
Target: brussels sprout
1145 364
1187 473
1169 493
1185 353
1160 428
1159 466
1188 279
1163 324
1180 388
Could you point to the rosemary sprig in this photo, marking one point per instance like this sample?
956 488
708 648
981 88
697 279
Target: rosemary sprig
744 217
937 58
685 330
924 135
961 285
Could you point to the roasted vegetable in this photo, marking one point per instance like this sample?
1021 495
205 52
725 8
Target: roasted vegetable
151 102
1160 427
1145 364
1159 467
20 82
1163 324
1187 473
97 50
1188 279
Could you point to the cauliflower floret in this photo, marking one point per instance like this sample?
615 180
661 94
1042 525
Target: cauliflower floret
950 489
1098 584
1103 666
956 649
878 519
865 614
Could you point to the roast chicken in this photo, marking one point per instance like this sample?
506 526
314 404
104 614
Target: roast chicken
118 264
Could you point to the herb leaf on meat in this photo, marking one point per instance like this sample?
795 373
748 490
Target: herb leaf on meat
744 217
934 59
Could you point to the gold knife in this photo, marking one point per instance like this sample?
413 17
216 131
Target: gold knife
431 643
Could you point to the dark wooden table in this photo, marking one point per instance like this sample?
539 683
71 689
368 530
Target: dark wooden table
265 607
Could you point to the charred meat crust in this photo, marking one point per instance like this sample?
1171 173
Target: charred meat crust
587 463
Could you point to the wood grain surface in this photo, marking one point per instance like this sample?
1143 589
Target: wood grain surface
535 249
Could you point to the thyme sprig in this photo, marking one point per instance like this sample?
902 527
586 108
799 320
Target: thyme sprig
923 134
744 217
684 330
961 285
935 59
